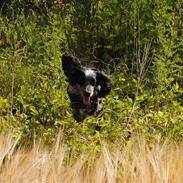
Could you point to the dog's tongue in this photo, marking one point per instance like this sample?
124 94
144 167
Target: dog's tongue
86 100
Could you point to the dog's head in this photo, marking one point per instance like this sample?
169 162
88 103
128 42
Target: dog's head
88 82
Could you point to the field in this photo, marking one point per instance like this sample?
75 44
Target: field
137 161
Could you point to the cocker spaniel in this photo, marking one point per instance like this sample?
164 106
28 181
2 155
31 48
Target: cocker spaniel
86 87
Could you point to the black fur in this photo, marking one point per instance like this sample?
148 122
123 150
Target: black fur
86 87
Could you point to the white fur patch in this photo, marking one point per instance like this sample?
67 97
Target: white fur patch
89 72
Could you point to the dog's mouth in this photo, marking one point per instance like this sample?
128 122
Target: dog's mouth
86 100
87 94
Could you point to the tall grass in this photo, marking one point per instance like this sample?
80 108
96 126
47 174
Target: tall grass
137 161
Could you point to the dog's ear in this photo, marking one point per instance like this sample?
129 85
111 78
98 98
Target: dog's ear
70 65
72 68
105 84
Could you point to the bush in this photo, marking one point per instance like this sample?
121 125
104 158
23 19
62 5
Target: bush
138 43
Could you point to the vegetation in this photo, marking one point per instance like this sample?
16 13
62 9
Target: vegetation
138 43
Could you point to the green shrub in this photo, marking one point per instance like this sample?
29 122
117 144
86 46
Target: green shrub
138 43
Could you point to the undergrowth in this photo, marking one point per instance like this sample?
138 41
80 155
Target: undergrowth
138 44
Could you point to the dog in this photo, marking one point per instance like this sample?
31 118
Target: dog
87 87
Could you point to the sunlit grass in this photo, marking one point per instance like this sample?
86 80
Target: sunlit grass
135 162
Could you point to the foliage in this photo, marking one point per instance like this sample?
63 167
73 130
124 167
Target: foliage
139 43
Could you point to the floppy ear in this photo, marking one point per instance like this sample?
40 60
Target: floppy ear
71 67
105 84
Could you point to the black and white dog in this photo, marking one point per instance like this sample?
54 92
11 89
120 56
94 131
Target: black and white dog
86 87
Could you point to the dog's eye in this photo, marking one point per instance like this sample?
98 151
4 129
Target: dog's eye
92 82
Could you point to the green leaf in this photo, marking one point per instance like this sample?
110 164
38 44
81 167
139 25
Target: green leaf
33 110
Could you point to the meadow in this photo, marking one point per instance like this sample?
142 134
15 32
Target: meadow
137 161
138 135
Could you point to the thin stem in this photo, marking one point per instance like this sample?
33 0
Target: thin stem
12 85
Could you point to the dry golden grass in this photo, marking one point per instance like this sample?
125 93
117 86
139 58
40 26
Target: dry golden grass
136 162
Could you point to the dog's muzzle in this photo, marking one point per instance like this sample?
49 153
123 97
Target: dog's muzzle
88 93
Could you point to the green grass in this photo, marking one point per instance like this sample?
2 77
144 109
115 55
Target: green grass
146 96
